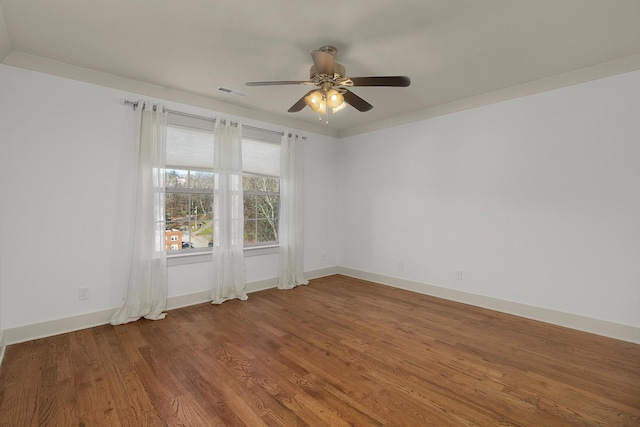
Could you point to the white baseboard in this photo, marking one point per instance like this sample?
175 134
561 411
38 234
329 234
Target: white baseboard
74 323
582 323
205 296
323 272
59 326
572 321
2 346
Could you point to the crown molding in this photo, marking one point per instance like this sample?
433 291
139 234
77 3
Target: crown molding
606 69
61 69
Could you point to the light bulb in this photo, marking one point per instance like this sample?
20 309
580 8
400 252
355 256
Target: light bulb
334 99
339 107
315 102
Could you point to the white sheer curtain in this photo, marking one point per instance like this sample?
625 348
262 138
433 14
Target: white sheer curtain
290 231
228 221
147 287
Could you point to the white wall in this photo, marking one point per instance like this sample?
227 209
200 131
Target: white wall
536 199
321 215
1 331
63 154
66 173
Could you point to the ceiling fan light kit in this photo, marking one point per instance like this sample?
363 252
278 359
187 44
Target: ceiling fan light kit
330 78
315 101
323 99
334 99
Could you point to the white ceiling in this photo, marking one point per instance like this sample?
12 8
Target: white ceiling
451 49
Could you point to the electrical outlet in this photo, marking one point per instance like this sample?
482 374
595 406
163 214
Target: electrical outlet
400 265
83 293
324 257
458 274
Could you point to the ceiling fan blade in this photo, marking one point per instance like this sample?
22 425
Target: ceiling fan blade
300 104
356 102
323 61
396 81
283 82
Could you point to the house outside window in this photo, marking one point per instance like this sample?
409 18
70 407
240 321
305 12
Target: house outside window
172 236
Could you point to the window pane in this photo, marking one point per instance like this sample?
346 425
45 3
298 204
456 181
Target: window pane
177 206
250 207
202 180
250 231
201 206
177 232
190 216
267 206
178 226
272 184
247 182
261 205
261 184
173 238
201 220
176 178
267 230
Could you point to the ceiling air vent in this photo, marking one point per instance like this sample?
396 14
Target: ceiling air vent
230 91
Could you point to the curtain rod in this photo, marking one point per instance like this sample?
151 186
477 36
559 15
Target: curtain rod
134 104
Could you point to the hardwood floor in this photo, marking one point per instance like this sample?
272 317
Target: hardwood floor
337 352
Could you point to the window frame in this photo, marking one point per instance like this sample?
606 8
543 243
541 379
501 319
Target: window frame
251 249
262 193
250 133
189 191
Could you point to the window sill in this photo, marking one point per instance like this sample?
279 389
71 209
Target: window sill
261 250
197 257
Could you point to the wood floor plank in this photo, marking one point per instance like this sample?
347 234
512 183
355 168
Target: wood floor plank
22 395
338 352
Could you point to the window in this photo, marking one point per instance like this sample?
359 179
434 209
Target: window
189 182
261 186
261 205
189 206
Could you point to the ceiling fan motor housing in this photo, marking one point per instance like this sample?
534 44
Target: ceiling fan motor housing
338 72
329 49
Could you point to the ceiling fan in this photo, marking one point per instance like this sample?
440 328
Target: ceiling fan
330 78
